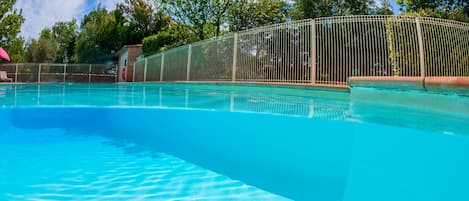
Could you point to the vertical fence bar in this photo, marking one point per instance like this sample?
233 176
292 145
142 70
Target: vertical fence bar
235 58
89 74
421 48
145 70
188 66
313 52
39 74
16 74
116 76
133 72
162 67
65 71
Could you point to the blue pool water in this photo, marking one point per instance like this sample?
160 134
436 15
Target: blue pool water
227 142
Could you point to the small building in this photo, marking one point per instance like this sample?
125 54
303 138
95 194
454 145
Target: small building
126 57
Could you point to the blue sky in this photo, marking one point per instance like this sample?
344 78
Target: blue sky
43 13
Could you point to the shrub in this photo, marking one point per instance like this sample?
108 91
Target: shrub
150 45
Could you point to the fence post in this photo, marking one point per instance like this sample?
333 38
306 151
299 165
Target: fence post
39 74
421 48
189 54
89 74
16 73
162 68
145 70
65 71
133 72
235 58
313 52
116 76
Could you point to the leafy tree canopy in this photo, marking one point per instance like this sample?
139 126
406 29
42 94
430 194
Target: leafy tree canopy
245 14
10 26
449 9
304 9
65 34
88 47
384 9
141 18
44 49
203 18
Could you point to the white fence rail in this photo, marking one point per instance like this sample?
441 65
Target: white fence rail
319 51
59 73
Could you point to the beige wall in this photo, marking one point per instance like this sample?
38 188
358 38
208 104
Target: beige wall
133 53
126 61
123 63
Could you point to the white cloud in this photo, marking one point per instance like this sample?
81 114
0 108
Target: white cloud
39 14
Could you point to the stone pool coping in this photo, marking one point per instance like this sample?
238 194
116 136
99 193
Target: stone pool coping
459 85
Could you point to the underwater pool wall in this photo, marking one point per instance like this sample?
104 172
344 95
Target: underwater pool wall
233 144
300 158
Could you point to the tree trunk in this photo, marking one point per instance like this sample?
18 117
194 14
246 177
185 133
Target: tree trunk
218 27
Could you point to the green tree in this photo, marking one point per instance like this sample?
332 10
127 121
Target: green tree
384 9
415 5
203 18
87 46
113 32
192 14
304 9
15 49
65 34
246 14
103 32
218 13
11 21
143 18
175 36
449 9
42 50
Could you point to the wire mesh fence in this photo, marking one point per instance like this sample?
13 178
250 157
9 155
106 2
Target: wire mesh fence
175 66
315 51
275 54
212 60
59 73
365 46
320 51
139 71
446 47
154 72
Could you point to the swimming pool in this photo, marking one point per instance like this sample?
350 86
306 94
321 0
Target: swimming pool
230 142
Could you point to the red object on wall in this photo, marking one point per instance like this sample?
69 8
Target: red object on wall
123 73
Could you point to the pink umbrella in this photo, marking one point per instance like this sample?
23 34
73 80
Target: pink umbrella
4 54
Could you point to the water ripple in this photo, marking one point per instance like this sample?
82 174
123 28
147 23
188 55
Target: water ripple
71 167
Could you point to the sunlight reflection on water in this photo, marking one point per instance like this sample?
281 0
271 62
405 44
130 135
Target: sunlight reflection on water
93 168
